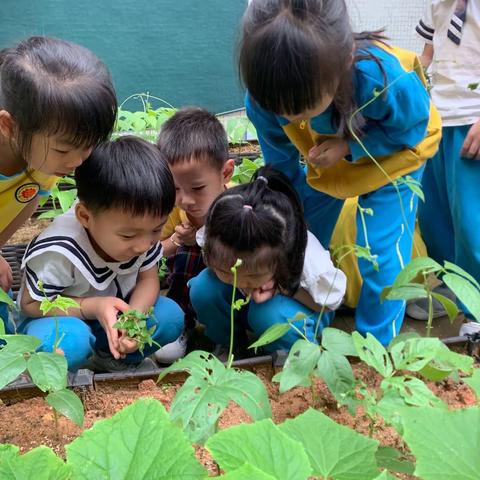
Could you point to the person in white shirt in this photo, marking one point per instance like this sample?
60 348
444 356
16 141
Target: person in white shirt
449 219
285 270
104 254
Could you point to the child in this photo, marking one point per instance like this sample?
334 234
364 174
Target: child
285 270
56 103
448 219
103 253
310 78
196 147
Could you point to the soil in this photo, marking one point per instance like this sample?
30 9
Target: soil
30 229
31 422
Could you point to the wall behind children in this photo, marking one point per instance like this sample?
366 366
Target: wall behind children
180 50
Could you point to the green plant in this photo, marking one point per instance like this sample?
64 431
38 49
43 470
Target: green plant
62 199
243 172
48 370
238 128
135 324
163 269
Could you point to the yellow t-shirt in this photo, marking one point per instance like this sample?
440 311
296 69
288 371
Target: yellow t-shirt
17 191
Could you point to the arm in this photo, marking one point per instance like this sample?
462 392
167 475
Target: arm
146 290
427 55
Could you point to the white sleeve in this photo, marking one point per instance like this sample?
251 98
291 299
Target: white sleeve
152 257
325 283
425 28
54 271
200 236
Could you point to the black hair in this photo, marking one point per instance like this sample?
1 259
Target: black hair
293 53
55 87
194 133
129 174
262 223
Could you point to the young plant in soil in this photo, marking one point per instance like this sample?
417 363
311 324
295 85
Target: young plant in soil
47 370
134 323
212 385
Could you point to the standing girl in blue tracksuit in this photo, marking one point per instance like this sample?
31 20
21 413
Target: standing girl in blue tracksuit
307 74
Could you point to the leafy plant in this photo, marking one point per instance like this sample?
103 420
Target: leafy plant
238 128
135 324
62 199
243 172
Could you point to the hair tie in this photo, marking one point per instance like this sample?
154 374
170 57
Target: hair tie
247 207
262 179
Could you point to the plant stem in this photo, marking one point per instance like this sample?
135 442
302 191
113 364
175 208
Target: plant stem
55 418
430 313
232 312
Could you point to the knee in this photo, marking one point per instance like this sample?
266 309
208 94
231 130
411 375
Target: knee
204 289
169 320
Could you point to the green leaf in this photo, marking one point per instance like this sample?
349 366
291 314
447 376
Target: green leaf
139 442
402 337
372 352
451 267
409 291
474 382
209 389
5 298
473 86
415 353
335 451
67 403
20 343
385 476
41 463
465 291
415 187
48 371
449 306
8 451
337 373
12 364
264 446
271 334
445 443
247 472
391 459
447 360
301 361
66 198
390 408
337 341
413 392
60 302
416 266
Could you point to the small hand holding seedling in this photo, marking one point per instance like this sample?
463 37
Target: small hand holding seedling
134 334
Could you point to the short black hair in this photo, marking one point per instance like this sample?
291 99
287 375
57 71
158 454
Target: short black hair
194 133
55 87
129 174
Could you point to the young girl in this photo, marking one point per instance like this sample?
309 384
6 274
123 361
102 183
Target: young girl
307 73
56 102
284 269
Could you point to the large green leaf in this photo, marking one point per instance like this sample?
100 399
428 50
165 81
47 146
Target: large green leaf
12 364
262 445
372 352
385 476
445 443
209 389
8 451
456 269
414 353
390 408
465 291
337 373
272 333
67 403
139 442
337 341
21 343
48 371
410 291
247 472
449 306
37 464
474 382
301 361
418 265
334 451
391 459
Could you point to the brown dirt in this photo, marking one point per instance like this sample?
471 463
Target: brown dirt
30 229
247 147
30 423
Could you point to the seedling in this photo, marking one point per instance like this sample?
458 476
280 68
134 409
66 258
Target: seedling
134 323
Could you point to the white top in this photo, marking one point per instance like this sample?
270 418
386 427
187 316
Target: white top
325 283
63 258
453 67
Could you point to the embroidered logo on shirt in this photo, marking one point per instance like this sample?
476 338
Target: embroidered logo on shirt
27 192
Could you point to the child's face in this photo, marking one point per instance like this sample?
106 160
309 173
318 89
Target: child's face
52 155
119 236
198 184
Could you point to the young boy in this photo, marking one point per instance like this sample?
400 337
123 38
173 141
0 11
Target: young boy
103 254
449 218
196 147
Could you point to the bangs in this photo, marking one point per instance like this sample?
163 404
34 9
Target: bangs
218 256
286 69
81 113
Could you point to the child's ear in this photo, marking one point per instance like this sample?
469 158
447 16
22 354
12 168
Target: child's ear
7 125
83 214
228 169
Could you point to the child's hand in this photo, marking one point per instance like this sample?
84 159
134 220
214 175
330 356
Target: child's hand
328 153
6 277
126 344
105 310
471 145
264 293
185 234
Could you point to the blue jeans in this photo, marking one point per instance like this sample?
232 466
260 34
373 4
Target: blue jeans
211 299
82 337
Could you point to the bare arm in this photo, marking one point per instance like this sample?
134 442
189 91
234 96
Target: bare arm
146 291
427 55
304 298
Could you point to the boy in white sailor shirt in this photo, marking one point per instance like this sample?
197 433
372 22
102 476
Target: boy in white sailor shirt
103 253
